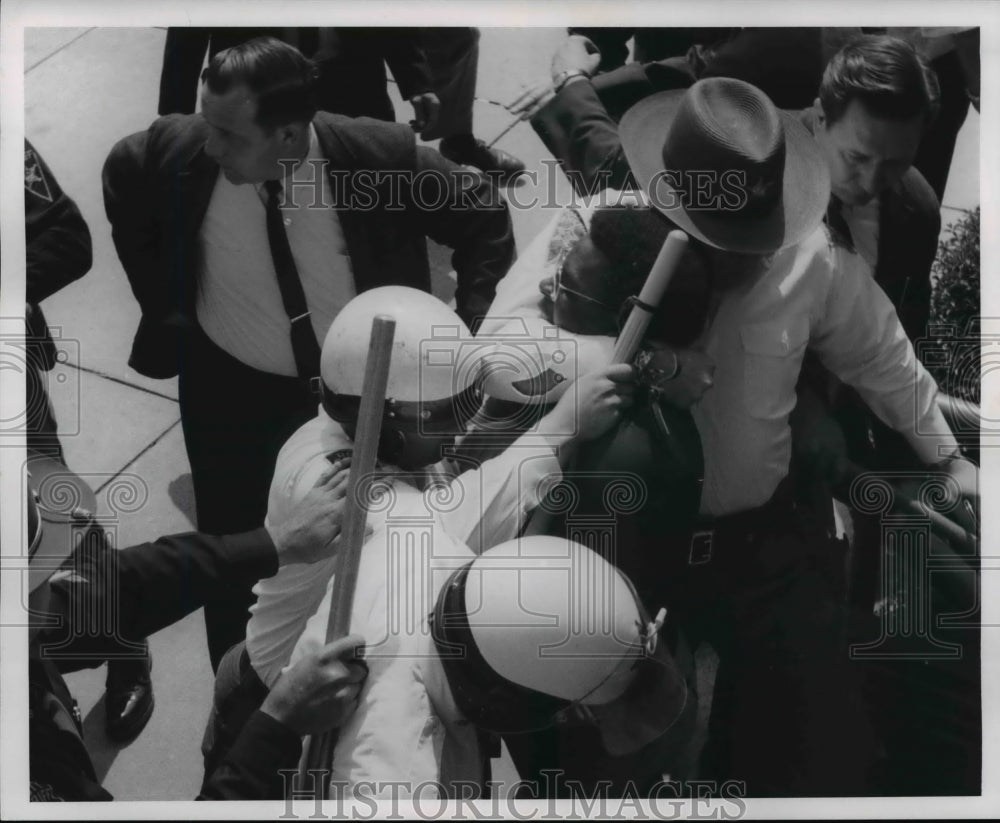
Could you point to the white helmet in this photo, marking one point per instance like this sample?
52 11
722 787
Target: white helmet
432 389
543 630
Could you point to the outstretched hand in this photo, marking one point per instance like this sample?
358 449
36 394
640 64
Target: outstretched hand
311 532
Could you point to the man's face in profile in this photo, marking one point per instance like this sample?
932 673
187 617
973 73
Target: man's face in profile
867 154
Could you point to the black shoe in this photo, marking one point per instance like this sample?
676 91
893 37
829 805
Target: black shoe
469 151
128 699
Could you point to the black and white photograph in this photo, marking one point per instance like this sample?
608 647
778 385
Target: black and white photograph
497 410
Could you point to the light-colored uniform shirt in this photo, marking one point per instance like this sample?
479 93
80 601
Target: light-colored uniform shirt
239 303
406 726
815 294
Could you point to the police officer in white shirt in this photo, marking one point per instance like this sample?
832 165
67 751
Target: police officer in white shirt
748 185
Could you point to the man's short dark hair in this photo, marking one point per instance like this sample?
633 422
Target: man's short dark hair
886 74
631 237
281 78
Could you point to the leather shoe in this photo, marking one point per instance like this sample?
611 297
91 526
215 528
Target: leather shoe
128 699
474 152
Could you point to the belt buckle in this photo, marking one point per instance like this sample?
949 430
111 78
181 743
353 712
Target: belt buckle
700 550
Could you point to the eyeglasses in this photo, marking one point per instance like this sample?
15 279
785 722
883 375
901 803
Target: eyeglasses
557 287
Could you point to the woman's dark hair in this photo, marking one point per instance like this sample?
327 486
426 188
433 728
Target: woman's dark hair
886 74
282 80
631 237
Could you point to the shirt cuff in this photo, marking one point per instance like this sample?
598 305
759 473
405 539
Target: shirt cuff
932 439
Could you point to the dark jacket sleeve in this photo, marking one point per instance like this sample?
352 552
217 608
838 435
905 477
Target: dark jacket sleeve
148 587
57 238
183 54
130 208
908 238
252 768
475 223
580 133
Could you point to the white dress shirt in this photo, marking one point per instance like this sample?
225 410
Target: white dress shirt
815 294
239 303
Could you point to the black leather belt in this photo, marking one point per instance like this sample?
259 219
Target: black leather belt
740 533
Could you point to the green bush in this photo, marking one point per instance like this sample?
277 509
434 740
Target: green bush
953 357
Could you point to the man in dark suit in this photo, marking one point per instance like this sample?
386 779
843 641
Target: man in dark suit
875 101
577 117
239 274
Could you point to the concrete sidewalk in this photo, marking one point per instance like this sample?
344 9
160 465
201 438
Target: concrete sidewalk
84 90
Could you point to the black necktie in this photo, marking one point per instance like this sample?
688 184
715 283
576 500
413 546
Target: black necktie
304 345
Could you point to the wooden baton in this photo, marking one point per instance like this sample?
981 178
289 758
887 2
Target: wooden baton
632 333
652 292
319 755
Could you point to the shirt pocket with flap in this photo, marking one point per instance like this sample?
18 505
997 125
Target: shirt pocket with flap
772 357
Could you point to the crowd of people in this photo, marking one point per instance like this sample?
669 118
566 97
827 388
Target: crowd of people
795 166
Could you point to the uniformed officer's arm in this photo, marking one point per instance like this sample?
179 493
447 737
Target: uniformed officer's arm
58 247
859 337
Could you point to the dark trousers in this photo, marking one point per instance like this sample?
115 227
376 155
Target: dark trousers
239 692
788 716
763 588
235 421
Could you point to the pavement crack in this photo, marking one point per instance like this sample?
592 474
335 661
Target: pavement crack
69 43
135 459
122 382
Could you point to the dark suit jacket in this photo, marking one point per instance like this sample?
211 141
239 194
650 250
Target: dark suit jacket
157 186
579 125
148 587
908 228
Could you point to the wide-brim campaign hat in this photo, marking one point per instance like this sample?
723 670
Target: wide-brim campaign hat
727 166
59 504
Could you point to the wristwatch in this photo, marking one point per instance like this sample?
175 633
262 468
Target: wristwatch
565 76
